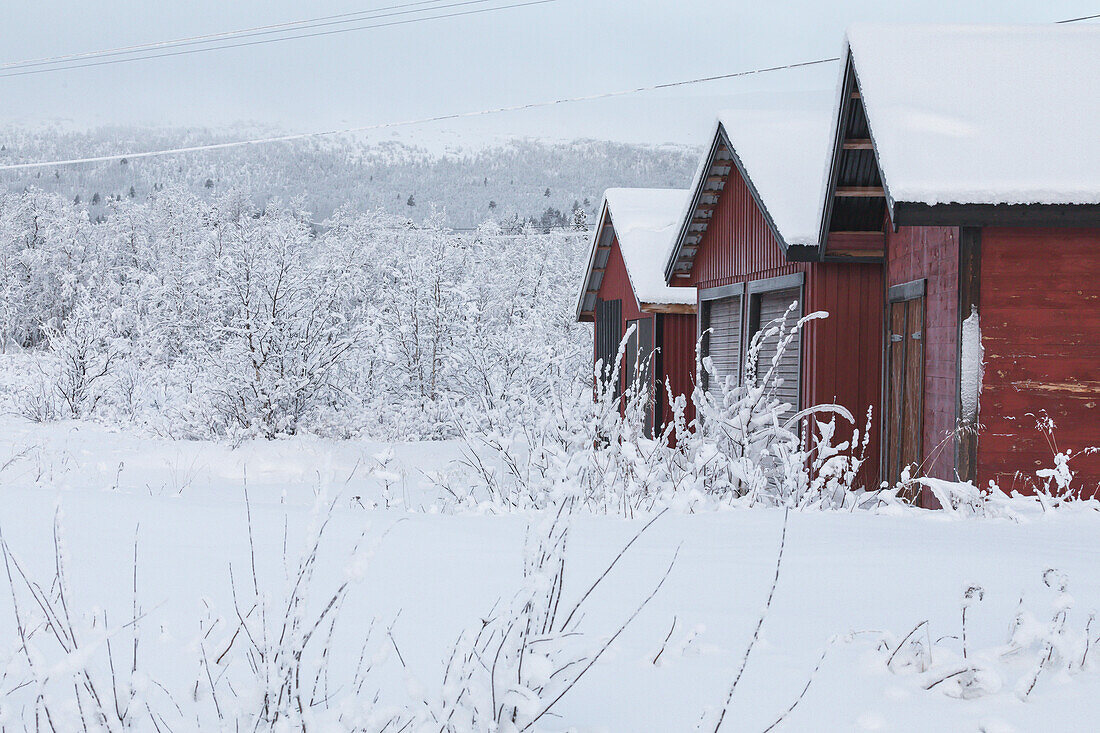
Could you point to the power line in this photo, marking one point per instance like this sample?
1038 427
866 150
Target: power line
437 118
241 32
269 29
419 121
1074 20
408 21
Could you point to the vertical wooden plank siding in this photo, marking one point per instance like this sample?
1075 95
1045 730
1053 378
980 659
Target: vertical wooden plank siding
1040 322
677 334
842 355
932 253
738 245
616 286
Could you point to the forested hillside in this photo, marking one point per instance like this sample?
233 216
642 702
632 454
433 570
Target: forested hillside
524 180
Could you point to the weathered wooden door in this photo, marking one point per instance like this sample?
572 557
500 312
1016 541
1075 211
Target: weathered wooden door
905 386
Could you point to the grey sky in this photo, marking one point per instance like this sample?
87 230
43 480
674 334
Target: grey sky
565 48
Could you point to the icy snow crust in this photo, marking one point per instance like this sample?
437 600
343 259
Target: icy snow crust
784 154
983 114
432 576
646 222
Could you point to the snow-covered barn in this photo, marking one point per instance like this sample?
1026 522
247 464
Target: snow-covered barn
624 286
753 218
967 159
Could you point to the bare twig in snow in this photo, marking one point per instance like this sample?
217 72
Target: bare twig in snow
759 622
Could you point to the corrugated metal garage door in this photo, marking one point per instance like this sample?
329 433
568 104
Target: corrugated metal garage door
723 344
771 306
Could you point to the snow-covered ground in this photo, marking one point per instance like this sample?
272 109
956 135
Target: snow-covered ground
858 576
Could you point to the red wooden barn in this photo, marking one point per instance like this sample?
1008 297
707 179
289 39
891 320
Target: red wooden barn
967 159
748 245
624 286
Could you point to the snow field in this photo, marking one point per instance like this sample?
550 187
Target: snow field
431 576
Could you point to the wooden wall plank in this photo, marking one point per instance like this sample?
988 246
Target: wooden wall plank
1040 319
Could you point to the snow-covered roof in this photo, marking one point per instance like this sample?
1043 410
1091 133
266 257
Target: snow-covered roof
784 156
645 223
983 114
782 153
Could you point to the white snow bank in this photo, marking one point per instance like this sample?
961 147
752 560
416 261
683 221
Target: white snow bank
439 575
983 114
72 455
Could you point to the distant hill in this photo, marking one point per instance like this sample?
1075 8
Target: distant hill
520 180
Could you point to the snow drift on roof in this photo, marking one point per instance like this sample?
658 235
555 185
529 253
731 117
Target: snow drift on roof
646 222
983 114
784 154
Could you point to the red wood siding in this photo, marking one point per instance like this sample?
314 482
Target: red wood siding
841 355
677 337
1040 321
738 245
932 253
616 285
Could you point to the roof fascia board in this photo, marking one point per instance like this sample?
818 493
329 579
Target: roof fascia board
593 248
839 123
696 195
851 83
1046 215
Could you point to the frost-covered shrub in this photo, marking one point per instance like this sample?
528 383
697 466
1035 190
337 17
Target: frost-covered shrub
509 671
266 663
283 655
84 350
48 251
746 447
65 672
749 444
283 319
1039 644
1057 485
233 322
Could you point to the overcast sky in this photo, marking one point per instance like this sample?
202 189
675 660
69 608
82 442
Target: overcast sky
559 49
